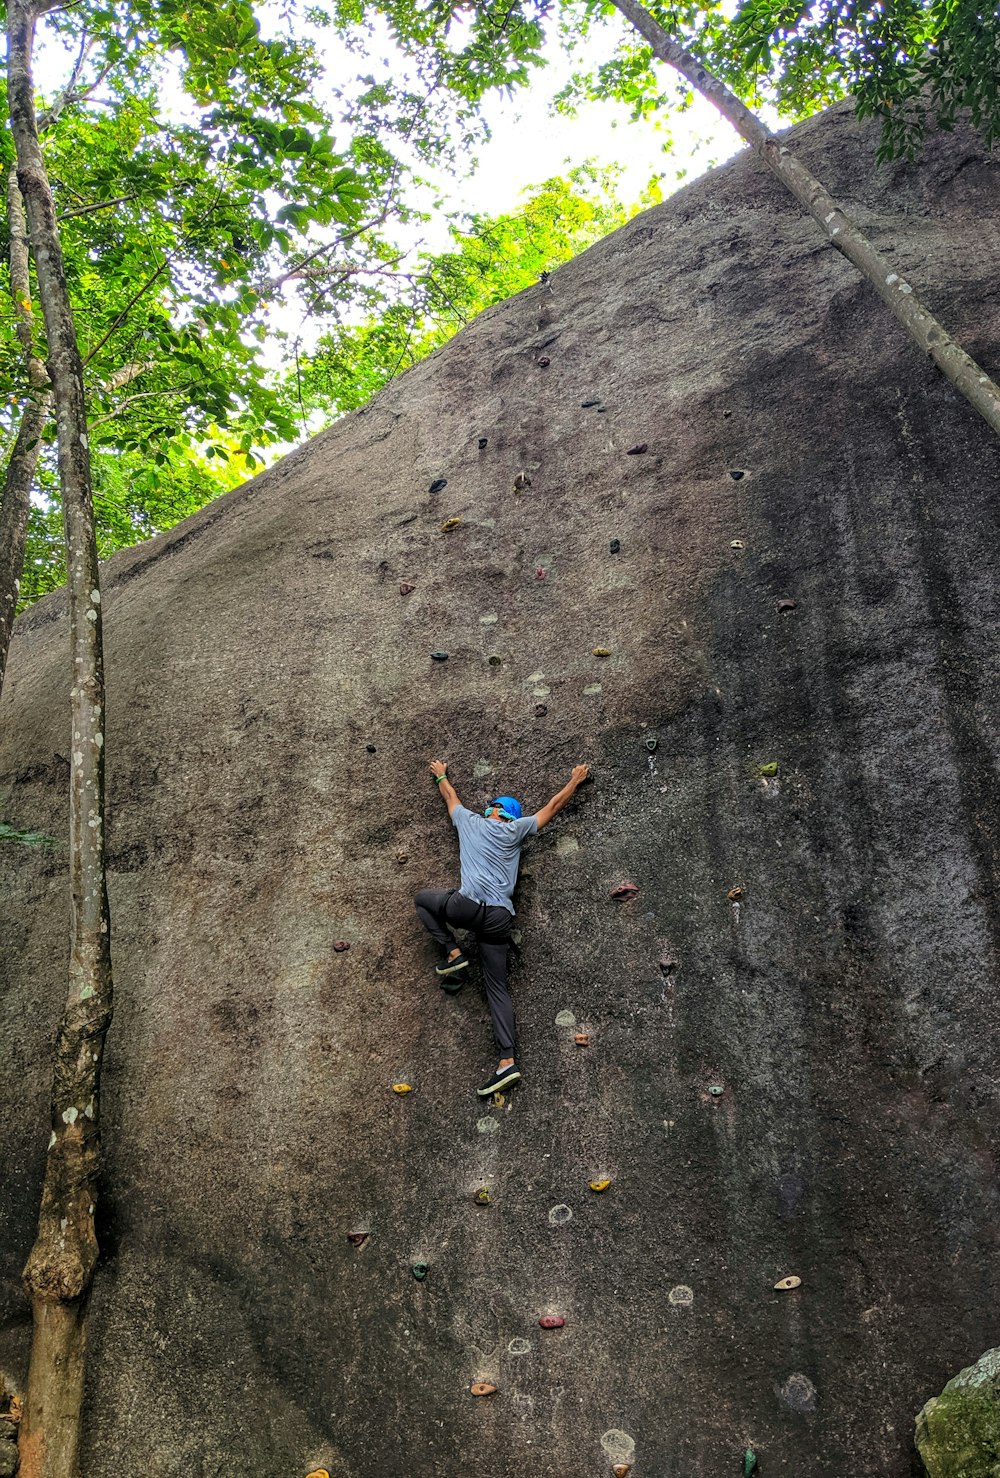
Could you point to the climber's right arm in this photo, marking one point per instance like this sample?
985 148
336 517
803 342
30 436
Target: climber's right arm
448 792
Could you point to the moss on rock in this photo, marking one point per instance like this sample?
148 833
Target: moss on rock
958 1432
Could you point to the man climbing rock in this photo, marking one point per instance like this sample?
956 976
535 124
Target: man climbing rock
489 853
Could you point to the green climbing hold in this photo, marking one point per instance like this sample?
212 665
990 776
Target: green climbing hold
651 744
439 656
768 771
419 1271
716 1090
482 1196
749 1462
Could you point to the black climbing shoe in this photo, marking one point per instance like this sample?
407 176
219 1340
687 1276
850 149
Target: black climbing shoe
502 1078
460 962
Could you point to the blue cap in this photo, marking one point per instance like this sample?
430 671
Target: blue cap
508 807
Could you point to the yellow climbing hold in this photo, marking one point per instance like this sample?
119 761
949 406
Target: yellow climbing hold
599 1185
402 1087
482 1196
784 1284
602 651
449 524
318 1473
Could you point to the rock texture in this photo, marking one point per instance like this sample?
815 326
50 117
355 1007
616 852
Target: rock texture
792 1066
958 1432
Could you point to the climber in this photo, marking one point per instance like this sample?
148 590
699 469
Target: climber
489 852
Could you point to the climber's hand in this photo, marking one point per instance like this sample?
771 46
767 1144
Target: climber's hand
438 767
580 774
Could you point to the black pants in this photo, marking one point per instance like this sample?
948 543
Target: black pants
441 910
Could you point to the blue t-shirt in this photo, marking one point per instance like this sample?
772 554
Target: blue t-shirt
489 852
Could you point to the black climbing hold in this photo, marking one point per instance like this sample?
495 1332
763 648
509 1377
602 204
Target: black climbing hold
736 473
494 661
586 404
419 1271
483 440
370 748
602 410
540 710
637 451
543 363
406 588
357 1239
438 484
439 656
615 546
787 604
651 744
340 946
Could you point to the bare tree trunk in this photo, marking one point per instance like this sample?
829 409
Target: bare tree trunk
14 506
61 1263
922 326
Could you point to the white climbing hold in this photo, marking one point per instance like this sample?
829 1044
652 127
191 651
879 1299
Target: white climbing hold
70 1115
682 1297
487 1126
565 1018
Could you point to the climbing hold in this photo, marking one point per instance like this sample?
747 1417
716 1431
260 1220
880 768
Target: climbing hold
615 546
540 710
543 363
735 893
482 443
737 544
599 1185
402 857
370 748
522 480
339 946
565 1018
551 1321
784 1284
482 1388
787 604
495 661
318 1473
498 1099
439 656
402 1088
541 572
602 410
582 1039
438 485
624 890
637 451
681 1296
768 771
449 524
622 1470
586 404
419 1270
406 588
482 1196
602 651
357 1239
736 473
560 1215
749 1463
651 744
716 1089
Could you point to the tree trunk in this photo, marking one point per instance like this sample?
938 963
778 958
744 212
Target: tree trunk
892 288
18 478
61 1263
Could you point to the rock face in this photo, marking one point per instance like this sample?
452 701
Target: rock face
958 1432
792 1066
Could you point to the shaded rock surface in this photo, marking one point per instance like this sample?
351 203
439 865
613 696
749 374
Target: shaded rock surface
958 1432
843 1003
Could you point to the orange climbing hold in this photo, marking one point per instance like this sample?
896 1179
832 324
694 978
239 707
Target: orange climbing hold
622 1470
582 1039
482 1388
736 893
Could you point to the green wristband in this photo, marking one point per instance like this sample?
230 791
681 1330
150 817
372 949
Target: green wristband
439 778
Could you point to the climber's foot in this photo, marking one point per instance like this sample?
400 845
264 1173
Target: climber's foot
449 971
502 1078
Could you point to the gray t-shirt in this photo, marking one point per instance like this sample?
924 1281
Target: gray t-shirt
489 852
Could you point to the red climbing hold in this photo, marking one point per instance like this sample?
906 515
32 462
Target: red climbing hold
551 1321
406 588
339 946
624 890
540 573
